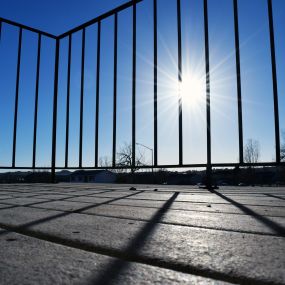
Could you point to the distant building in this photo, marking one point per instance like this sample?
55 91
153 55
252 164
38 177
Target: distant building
63 176
95 176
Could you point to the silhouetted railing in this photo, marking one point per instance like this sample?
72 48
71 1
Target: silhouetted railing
97 21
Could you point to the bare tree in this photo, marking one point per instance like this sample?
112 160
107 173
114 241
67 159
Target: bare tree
124 158
104 161
251 151
282 154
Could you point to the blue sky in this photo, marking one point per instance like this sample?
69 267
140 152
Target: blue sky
255 72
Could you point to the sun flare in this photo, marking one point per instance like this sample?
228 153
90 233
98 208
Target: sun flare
192 90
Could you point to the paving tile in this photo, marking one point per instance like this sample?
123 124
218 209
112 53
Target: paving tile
244 223
62 205
222 208
202 198
53 196
88 199
23 201
240 256
220 221
27 260
197 232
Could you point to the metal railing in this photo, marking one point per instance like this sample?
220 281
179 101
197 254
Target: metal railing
97 21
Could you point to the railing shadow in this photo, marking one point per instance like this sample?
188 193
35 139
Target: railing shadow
112 271
24 227
275 227
11 206
274 196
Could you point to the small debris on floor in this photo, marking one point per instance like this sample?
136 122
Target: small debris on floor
11 239
152 232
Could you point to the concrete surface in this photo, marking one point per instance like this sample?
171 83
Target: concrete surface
108 234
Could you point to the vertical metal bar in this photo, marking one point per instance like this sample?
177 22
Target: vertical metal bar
180 127
207 60
274 81
97 93
54 125
155 79
68 100
134 86
238 74
36 100
81 97
17 97
115 88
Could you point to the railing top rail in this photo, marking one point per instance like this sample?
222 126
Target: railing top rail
78 28
13 23
101 17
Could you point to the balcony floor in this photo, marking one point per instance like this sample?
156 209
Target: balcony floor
108 234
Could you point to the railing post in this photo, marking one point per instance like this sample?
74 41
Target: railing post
97 93
179 48
155 80
54 125
68 100
134 86
208 102
274 81
238 76
82 97
115 89
17 98
36 100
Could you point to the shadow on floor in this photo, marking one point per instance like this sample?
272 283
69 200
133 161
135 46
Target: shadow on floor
274 196
114 269
275 227
24 227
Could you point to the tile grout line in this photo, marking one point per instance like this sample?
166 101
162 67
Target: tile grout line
133 257
146 221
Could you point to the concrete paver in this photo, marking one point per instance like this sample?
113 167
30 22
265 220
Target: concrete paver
26 260
222 221
172 235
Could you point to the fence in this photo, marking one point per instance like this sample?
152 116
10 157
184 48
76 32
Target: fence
132 5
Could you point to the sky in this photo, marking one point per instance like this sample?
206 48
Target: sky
58 16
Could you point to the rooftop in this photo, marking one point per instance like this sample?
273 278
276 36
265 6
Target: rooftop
108 234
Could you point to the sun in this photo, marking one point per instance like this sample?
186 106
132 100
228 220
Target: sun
192 90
